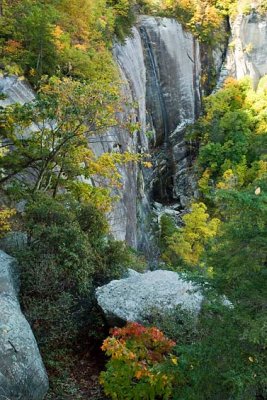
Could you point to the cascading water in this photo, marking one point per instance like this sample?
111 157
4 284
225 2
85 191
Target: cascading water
154 90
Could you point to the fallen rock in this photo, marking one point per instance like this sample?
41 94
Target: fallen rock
131 298
22 373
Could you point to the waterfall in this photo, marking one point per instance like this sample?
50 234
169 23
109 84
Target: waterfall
154 81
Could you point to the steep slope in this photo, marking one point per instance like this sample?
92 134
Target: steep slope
247 51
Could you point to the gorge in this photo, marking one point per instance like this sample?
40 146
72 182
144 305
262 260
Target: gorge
165 73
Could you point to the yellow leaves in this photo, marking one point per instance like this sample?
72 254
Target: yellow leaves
174 360
251 359
147 164
5 216
106 166
138 374
203 182
82 47
58 34
32 72
202 17
189 242
229 180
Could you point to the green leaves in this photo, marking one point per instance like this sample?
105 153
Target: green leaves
63 38
138 367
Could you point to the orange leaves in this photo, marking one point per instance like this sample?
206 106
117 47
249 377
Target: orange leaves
148 345
58 37
12 46
137 365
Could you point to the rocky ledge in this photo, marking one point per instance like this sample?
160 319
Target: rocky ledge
22 373
132 298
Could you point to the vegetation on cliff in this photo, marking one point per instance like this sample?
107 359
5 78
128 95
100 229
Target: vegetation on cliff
64 49
228 354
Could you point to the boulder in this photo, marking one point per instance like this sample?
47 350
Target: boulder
22 373
132 298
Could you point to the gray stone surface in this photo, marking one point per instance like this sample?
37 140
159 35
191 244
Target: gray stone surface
173 68
13 241
172 60
22 373
160 69
247 52
130 299
16 90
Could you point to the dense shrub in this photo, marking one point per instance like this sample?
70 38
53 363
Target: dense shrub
138 368
68 254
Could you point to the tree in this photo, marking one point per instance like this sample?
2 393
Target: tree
46 141
5 224
188 243
229 357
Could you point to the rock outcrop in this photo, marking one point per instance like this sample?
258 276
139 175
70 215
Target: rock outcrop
15 90
133 298
22 373
130 60
173 100
247 52
160 70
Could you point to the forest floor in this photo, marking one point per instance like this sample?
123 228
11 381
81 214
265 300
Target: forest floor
82 381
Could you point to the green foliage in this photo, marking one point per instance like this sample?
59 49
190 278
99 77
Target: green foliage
138 364
63 37
66 257
220 364
233 136
124 17
178 324
167 229
187 244
47 139
225 354
234 341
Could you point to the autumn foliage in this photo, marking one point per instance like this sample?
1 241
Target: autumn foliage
5 224
139 363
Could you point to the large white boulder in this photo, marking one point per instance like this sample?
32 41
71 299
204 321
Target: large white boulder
132 298
22 373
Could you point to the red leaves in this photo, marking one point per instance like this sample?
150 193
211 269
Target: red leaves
132 329
148 344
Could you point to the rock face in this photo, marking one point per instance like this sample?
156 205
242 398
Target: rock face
130 60
15 90
22 373
132 298
160 70
173 68
247 53
172 60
